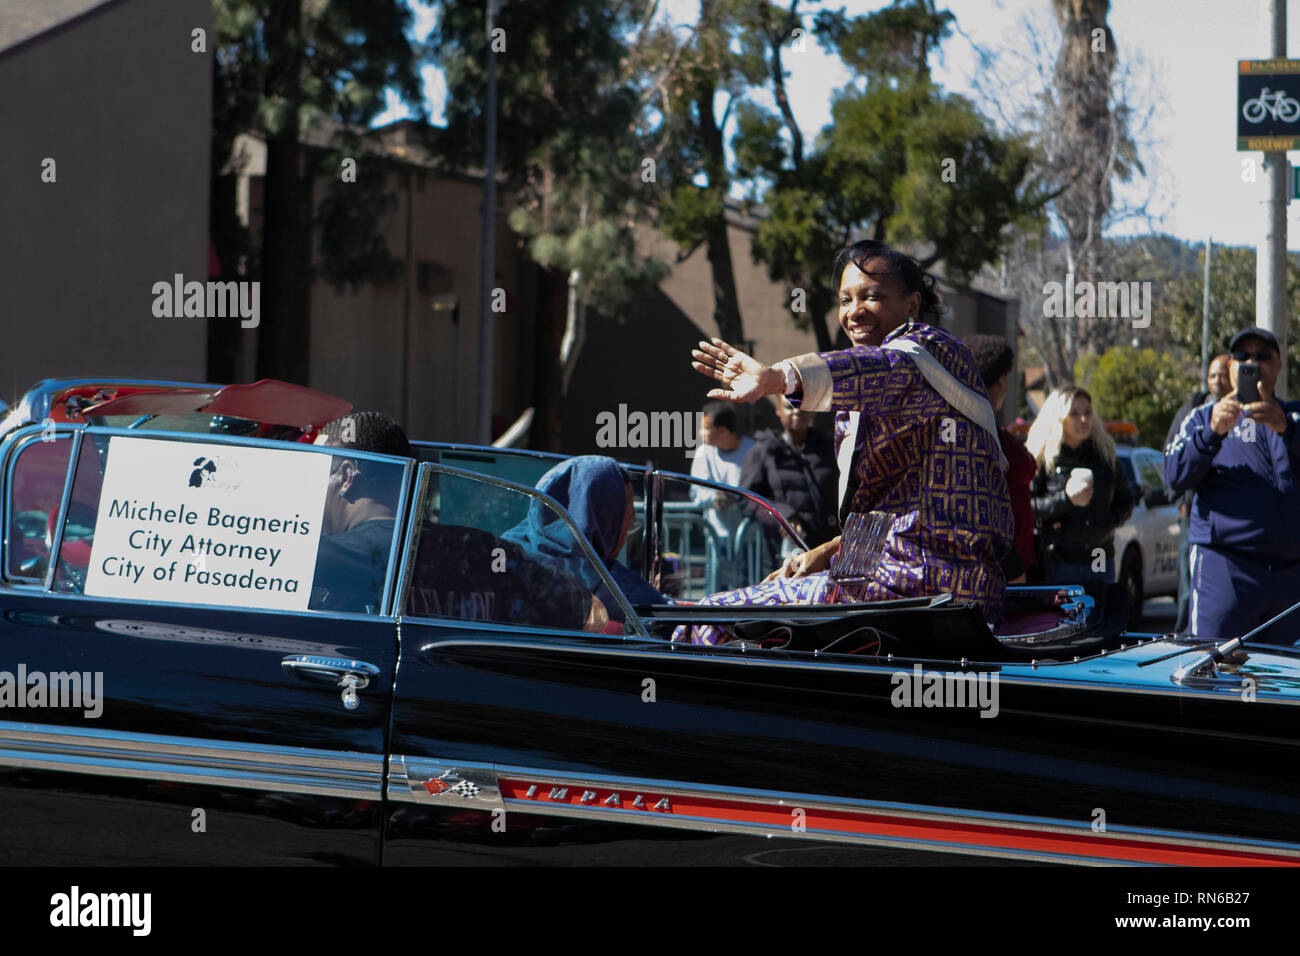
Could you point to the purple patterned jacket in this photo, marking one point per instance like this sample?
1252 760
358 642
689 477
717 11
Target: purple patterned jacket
918 458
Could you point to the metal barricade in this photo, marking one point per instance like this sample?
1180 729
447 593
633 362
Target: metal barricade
702 552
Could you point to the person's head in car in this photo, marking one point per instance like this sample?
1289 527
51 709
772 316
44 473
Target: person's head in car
359 489
598 496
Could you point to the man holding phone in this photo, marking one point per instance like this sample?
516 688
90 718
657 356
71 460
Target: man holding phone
1240 456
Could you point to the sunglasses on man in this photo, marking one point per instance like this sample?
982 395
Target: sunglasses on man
1259 355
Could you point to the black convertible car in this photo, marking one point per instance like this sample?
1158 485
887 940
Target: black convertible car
204 661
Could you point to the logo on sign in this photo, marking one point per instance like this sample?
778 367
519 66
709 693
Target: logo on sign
205 469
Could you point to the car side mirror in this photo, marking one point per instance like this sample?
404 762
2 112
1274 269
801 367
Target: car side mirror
1156 497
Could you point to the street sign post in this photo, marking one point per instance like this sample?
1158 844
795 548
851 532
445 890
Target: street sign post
1268 105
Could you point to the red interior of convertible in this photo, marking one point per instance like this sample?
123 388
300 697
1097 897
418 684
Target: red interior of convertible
268 402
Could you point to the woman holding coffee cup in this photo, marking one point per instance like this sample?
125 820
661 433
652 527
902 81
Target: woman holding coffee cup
1079 493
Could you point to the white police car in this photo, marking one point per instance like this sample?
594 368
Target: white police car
1146 546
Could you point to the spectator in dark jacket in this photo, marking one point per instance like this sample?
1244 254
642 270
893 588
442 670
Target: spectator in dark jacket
1241 462
794 468
1218 384
995 359
1079 493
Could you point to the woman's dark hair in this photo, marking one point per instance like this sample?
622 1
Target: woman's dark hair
722 415
899 266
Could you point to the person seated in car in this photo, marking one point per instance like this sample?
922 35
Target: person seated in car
358 522
599 499
453 576
922 492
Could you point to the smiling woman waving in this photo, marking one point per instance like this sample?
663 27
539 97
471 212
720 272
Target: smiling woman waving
921 471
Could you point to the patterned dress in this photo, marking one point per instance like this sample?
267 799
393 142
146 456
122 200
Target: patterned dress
915 457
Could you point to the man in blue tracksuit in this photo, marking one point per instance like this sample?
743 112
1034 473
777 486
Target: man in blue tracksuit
1241 461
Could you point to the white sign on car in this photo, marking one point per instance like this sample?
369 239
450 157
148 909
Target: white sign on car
208 524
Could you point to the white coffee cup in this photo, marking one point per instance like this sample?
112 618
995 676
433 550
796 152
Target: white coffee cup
1080 481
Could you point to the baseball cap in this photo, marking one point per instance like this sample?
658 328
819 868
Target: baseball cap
1264 335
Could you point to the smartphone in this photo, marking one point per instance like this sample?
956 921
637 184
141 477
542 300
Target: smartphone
1247 382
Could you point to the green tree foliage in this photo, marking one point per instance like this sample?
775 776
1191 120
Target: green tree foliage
1145 386
722 55
570 145
1232 304
901 162
568 116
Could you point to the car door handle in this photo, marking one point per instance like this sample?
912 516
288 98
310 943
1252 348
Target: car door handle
346 673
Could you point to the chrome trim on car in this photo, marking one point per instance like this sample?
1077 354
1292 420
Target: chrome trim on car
414 522
461 784
56 543
617 799
225 763
388 599
38 591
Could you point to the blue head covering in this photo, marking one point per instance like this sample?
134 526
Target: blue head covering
592 489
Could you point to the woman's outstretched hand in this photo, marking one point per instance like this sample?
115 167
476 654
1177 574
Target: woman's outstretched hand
745 379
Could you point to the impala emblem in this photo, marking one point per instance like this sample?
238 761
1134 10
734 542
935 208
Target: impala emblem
451 782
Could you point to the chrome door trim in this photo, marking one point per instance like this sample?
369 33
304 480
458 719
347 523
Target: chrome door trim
227 763
461 784
704 807
56 545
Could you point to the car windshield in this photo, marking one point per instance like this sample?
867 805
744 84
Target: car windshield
249 525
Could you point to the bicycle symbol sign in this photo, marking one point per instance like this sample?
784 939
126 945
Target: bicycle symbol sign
1276 104
1268 104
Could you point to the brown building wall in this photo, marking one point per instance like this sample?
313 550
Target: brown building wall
410 348
122 105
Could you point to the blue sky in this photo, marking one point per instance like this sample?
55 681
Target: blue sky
1183 59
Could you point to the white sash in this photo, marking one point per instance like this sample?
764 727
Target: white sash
845 458
965 400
